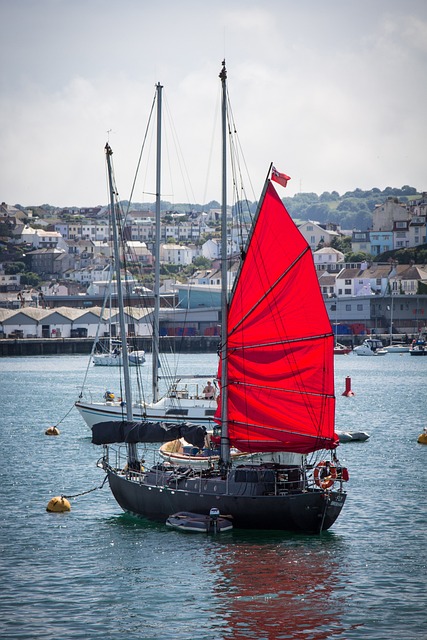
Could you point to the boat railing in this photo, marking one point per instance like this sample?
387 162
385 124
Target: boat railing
279 480
189 390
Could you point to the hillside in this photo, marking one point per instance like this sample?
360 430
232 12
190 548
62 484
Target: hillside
353 210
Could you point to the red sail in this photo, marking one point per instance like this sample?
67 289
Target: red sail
280 343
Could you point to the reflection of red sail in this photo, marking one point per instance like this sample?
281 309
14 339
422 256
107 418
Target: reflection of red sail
280 343
281 592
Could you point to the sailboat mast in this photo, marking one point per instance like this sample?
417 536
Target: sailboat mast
225 444
122 323
156 321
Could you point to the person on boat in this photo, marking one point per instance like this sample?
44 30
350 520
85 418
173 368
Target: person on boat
209 391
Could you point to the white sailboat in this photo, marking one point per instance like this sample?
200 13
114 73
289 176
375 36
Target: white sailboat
108 353
184 398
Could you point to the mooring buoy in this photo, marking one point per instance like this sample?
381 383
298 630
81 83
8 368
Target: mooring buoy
59 504
52 431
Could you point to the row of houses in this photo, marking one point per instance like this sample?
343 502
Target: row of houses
75 251
68 322
101 323
353 316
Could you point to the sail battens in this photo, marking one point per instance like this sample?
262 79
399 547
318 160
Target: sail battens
270 289
279 342
263 388
261 427
284 342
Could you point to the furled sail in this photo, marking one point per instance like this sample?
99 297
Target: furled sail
280 343
112 431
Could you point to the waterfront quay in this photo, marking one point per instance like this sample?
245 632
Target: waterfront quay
70 346
168 344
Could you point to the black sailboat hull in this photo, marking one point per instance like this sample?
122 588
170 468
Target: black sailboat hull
310 511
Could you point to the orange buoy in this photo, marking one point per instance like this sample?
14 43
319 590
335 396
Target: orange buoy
348 392
59 504
52 431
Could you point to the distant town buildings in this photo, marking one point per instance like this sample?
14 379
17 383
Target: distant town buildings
70 250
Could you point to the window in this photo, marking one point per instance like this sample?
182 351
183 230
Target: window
347 281
360 307
347 292
348 307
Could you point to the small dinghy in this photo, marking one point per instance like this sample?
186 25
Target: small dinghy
199 523
352 436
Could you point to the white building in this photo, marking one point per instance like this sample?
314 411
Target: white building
327 257
175 254
41 239
315 234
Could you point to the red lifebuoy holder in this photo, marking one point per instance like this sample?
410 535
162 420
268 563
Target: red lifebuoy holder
325 474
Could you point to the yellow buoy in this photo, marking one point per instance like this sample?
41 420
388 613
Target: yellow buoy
58 505
52 431
422 438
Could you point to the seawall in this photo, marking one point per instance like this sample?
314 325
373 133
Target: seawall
69 346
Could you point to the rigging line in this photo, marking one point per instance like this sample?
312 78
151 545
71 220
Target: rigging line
101 317
129 308
180 156
238 145
140 155
213 138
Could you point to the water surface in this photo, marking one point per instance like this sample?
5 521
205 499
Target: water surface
96 573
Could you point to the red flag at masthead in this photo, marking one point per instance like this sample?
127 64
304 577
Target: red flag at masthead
281 178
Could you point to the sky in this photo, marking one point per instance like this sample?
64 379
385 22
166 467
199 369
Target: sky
334 93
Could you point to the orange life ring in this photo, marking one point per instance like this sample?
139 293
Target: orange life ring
325 474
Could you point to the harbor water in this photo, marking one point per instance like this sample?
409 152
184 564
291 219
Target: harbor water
97 573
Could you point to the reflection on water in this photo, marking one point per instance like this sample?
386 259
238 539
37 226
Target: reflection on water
289 588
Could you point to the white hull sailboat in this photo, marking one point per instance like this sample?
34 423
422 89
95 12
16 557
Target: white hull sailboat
171 407
113 358
277 394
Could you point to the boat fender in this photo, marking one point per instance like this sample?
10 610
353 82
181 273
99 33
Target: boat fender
52 431
325 474
343 474
59 504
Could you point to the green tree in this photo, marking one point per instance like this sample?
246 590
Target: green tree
31 279
358 256
12 268
202 263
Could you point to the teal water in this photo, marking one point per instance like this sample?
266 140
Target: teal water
96 573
